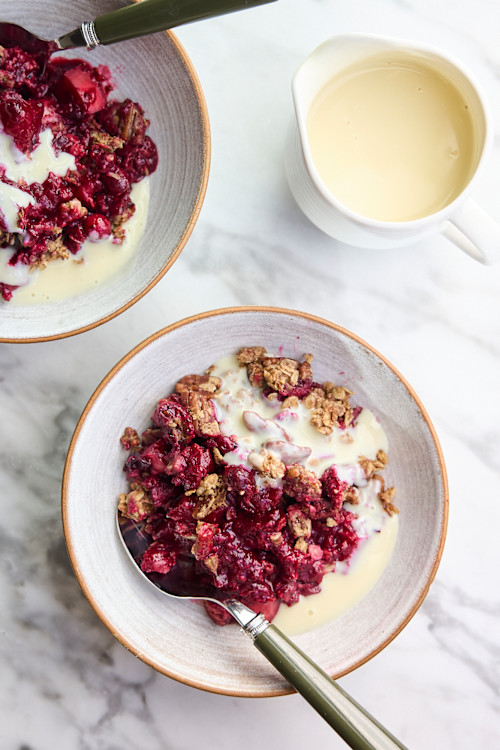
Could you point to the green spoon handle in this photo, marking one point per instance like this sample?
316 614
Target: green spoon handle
149 16
355 725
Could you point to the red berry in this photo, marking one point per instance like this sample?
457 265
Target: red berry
77 88
96 227
22 120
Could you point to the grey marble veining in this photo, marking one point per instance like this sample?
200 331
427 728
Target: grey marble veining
65 681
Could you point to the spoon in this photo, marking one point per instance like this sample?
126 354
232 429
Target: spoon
355 725
132 21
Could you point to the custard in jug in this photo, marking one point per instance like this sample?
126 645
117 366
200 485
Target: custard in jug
392 138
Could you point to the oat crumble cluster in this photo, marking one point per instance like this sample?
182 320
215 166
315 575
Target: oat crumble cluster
264 543
106 137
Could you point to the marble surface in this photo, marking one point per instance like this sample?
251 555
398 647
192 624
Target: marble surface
434 312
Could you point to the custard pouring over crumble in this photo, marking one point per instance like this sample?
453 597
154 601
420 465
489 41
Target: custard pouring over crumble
251 471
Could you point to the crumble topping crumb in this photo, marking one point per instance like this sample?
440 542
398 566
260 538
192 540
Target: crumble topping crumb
280 372
371 466
292 402
301 545
211 493
267 463
300 525
212 563
255 373
249 354
299 482
135 504
202 412
305 370
105 140
386 496
329 407
314 398
218 457
56 250
130 438
7 238
206 383
351 495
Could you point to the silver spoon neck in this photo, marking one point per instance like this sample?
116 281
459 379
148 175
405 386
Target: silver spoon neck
84 36
253 624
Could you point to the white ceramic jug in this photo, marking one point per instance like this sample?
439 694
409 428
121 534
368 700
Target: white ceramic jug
462 221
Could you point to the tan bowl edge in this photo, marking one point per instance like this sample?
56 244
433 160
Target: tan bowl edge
194 217
225 311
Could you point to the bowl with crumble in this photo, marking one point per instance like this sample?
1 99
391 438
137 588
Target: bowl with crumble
104 159
282 459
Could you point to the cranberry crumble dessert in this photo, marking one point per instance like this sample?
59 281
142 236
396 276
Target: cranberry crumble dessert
259 476
69 157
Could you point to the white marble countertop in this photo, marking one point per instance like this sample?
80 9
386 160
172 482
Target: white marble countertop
434 312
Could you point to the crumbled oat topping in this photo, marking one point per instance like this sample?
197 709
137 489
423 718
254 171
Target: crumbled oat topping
205 383
135 504
130 438
255 373
305 369
328 405
351 495
212 563
280 372
386 497
300 481
314 398
267 464
300 525
108 142
211 493
371 466
55 250
249 354
292 402
326 416
202 412
7 238
301 545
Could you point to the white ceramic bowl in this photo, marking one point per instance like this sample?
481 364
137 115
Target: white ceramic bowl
176 637
156 72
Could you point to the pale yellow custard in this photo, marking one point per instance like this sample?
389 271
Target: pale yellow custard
391 138
95 262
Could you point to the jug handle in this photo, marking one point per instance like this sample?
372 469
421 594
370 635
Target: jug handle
474 231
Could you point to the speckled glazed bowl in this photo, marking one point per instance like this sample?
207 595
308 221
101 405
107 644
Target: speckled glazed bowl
156 72
176 637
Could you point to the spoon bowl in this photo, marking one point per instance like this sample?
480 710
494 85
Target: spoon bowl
181 581
12 35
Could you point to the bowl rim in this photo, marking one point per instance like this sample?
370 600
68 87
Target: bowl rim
188 229
109 377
